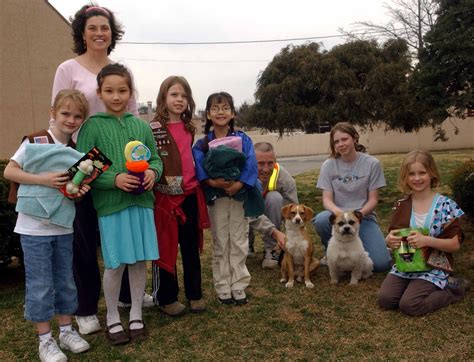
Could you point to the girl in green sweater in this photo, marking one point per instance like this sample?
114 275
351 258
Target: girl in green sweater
126 221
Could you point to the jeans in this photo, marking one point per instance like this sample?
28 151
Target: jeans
50 288
370 234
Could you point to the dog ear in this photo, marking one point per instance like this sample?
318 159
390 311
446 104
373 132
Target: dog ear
309 212
285 210
332 217
359 215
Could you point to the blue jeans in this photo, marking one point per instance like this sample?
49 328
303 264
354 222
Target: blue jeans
50 289
370 234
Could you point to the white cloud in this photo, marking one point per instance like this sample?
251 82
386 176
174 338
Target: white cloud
205 20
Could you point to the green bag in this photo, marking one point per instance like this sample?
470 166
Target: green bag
407 258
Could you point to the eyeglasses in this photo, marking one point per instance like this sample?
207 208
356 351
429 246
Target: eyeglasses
215 110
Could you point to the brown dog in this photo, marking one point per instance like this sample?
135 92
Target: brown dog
298 259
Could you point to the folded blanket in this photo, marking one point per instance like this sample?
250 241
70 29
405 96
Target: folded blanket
42 201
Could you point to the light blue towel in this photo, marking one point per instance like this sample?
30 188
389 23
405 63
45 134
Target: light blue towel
42 201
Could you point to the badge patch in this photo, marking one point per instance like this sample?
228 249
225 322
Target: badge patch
40 139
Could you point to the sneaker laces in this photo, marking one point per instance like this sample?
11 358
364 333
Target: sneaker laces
51 347
71 337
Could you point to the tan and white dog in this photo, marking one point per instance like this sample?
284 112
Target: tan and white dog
298 260
345 252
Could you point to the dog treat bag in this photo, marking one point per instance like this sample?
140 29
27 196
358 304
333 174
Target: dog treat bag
407 258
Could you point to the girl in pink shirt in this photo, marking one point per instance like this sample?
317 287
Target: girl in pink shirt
180 208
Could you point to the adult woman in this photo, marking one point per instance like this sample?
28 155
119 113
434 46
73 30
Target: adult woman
350 179
95 33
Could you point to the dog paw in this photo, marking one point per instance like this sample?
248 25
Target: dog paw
282 280
309 285
289 285
334 281
353 282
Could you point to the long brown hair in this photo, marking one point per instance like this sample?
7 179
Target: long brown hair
162 115
344 127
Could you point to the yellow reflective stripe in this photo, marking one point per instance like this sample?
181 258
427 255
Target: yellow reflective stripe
272 183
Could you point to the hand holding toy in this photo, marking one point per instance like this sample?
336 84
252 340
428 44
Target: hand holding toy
84 169
137 156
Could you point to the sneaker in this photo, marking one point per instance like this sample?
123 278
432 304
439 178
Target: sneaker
72 341
197 306
324 260
147 302
49 351
239 297
225 298
88 324
174 309
270 261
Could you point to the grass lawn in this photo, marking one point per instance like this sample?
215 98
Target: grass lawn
327 322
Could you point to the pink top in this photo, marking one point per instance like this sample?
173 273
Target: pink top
71 75
183 140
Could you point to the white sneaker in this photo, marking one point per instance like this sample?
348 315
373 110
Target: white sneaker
88 324
270 260
50 352
147 302
72 341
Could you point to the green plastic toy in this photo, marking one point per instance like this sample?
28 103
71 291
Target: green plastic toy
407 258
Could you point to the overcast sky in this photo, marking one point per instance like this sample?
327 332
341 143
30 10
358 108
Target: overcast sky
229 67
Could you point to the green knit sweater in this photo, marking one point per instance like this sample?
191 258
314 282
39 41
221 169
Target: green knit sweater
110 134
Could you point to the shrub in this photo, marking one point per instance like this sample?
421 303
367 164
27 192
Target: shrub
462 186
9 241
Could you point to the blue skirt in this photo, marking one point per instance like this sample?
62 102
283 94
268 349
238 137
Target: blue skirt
128 236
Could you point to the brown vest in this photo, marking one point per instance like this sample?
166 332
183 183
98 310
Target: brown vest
171 181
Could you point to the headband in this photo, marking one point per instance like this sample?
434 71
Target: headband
97 8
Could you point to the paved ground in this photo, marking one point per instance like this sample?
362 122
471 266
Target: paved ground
297 165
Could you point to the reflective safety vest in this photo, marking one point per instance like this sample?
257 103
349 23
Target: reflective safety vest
272 182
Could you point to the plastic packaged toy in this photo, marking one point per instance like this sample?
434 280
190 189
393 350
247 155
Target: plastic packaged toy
407 258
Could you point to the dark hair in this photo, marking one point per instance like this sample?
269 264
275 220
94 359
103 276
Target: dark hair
220 97
162 115
115 69
344 127
78 25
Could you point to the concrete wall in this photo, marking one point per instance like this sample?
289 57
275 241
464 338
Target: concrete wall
34 40
376 141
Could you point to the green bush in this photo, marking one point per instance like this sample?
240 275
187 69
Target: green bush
462 186
9 241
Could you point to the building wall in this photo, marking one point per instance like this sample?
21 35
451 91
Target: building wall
34 40
376 141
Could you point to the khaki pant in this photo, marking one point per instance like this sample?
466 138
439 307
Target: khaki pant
230 244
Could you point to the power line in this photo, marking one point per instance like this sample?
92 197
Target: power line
195 61
375 32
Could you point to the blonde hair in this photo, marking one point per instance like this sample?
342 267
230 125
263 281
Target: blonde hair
428 162
73 96
344 127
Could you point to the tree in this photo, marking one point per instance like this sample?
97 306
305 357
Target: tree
360 81
444 78
410 21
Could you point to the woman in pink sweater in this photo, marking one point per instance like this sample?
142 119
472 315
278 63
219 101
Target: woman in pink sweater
95 32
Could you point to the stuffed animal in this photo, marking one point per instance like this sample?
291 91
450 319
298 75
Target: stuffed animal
137 156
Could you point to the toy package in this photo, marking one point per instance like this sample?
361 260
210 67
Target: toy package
86 170
407 258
